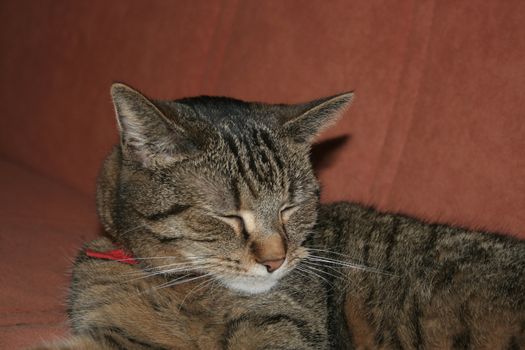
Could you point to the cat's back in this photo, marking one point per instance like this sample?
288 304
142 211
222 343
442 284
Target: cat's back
423 285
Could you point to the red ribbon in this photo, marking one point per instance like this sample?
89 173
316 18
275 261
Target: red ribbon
116 254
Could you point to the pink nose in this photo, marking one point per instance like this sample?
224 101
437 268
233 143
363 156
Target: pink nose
272 265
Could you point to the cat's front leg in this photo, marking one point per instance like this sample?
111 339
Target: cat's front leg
279 331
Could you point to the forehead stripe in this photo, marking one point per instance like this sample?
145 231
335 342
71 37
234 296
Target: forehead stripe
230 142
268 142
269 151
235 191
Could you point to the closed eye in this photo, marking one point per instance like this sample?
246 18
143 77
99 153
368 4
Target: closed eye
234 221
287 211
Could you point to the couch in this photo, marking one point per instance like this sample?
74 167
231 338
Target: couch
437 129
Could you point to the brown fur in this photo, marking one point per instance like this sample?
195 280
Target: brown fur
217 200
437 287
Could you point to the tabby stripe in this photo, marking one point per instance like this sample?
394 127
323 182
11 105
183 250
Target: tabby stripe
240 167
403 295
168 239
395 338
234 185
310 336
387 321
209 240
267 140
379 337
266 164
252 164
292 188
110 338
416 324
366 252
307 334
158 307
462 340
198 227
164 239
280 167
428 254
370 298
385 325
392 240
446 275
173 210
270 154
513 344
231 328
161 238
111 341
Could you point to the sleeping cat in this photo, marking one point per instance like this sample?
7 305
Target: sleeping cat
216 240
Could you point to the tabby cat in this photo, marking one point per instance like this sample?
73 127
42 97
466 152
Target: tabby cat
216 240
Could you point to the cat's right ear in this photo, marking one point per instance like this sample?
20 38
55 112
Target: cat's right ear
146 134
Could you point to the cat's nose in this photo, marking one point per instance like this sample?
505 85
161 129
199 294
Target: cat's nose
272 265
270 251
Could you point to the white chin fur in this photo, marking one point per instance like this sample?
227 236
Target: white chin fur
261 281
251 286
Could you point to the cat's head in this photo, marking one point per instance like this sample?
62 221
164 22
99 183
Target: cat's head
213 185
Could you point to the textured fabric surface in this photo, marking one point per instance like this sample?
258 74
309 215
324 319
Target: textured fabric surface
437 129
42 224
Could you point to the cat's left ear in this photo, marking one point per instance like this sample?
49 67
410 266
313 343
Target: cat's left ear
303 122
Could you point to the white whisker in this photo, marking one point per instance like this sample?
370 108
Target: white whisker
174 270
310 263
306 269
347 264
178 281
330 252
195 289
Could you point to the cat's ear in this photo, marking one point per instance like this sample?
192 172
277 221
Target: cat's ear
303 122
147 135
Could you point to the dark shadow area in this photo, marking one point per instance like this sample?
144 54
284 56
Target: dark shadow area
325 153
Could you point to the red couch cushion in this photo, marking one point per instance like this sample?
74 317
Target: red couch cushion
42 224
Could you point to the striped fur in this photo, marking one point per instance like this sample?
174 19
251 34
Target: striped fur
217 200
440 287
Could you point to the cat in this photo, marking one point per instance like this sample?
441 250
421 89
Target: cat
216 240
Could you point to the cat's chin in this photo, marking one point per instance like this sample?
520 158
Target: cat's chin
251 286
260 280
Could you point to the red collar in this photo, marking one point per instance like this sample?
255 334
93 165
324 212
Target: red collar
117 254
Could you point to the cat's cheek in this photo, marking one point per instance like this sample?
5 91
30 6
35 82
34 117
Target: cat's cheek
297 230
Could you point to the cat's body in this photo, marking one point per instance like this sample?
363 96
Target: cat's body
216 200
438 287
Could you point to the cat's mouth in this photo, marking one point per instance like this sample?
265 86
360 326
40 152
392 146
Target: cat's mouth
256 280
246 276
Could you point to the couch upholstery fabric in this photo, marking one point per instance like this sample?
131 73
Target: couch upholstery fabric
437 128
